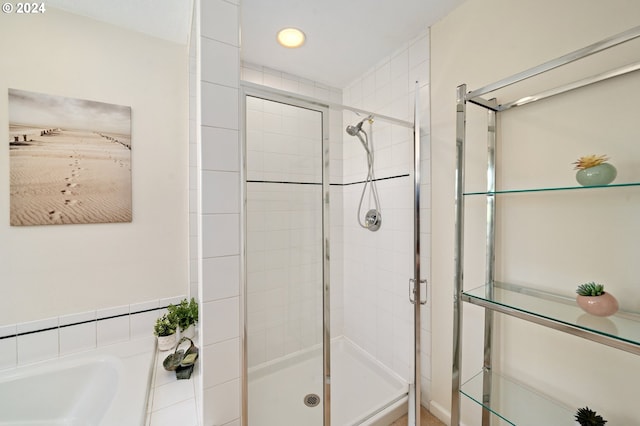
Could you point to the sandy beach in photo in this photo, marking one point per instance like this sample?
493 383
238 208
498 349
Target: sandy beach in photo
69 160
69 176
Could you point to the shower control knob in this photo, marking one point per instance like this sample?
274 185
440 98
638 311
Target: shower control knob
373 220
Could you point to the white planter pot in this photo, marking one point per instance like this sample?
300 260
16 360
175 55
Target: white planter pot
166 343
189 332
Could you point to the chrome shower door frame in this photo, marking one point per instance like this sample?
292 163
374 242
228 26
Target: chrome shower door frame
419 298
323 109
415 296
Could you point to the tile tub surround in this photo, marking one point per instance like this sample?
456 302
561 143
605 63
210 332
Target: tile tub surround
40 340
171 401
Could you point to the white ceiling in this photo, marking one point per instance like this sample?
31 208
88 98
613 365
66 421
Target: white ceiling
166 19
344 37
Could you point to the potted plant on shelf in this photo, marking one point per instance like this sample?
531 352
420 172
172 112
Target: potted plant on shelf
593 170
586 417
165 329
594 300
186 314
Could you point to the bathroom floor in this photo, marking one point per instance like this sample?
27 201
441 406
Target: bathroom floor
426 419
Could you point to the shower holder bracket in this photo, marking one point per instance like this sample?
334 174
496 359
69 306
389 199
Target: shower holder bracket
412 291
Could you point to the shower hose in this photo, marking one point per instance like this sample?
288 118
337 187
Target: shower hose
369 182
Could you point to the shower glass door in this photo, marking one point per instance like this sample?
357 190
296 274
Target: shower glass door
284 263
300 367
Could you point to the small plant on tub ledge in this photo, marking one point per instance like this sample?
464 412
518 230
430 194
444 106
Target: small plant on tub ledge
594 300
186 314
593 170
586 417
165 329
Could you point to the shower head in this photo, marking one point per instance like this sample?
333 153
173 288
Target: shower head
354 130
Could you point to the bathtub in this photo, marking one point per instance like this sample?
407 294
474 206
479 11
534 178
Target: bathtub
108 386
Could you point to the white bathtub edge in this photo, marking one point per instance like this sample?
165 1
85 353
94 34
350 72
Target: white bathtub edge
133 358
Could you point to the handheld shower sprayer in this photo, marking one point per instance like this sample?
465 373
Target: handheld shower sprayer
373 218
354 130
357 129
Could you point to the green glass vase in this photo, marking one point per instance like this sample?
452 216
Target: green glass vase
602 174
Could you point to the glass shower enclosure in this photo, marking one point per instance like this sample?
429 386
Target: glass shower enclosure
317 348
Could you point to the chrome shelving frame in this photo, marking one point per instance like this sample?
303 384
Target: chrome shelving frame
486 297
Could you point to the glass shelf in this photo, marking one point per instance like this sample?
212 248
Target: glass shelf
516 403
560 188
621 330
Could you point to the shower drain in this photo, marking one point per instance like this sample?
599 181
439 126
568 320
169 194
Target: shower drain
311 400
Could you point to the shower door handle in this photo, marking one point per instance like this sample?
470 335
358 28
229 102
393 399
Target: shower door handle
412 291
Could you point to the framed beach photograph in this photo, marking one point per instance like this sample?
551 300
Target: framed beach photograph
69 160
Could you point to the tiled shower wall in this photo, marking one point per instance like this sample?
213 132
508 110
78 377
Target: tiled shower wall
290 83
386 89
378 265
284 230
370 271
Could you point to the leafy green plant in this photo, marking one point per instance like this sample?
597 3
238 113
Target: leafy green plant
185 312
590 289
587 417
165 325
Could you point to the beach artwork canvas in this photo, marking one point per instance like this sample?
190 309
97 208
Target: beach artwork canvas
69 160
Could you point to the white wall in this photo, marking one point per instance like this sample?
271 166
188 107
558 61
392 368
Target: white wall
483 41
48 271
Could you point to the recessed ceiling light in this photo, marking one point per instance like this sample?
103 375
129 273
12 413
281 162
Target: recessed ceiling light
291 37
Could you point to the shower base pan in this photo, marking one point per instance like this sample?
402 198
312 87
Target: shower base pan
288 392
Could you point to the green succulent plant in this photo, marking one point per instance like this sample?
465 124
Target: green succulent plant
165 325
588 417
590 289
185 312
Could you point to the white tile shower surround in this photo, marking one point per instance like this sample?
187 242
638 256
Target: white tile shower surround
284 229
377 266
360 385
377 314
283 142
214 246
367 265
283 264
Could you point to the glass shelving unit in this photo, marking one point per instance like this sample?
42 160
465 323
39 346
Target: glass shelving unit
510 400
559 188
559 312
515 402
